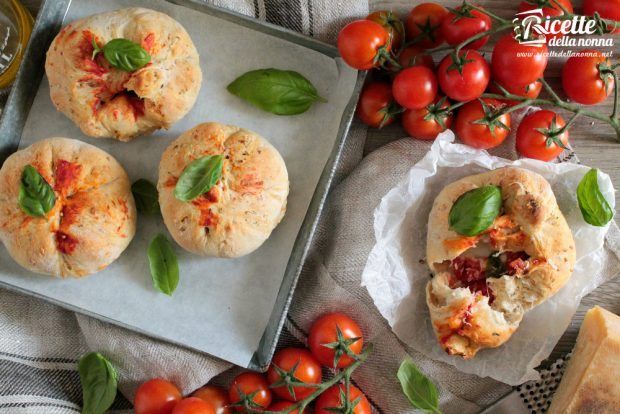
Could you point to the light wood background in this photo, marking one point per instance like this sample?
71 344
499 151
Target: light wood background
595 143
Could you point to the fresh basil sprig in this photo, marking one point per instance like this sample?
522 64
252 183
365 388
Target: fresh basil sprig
99 381
123 54
281 92
594 207
198 177
36 196
419 390
164 265
474 211
145 194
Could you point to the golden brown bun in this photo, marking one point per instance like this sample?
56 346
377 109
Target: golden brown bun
464 321
93 219
239 213
107 102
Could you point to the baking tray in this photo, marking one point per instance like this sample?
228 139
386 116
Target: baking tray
16 114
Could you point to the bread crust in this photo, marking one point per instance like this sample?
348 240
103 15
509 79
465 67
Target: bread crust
239 213
93 219
107 102
467 321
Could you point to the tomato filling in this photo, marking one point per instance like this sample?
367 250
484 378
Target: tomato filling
66 173
207 217
66 244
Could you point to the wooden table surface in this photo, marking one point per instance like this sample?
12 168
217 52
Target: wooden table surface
595 143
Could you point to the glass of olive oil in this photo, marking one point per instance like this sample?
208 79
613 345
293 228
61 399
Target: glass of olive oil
15 28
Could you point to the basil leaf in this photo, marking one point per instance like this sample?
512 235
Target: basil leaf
198 177
474 211
36 196
145 194
125 55
164 265
419 390
594 207
281 92
99 380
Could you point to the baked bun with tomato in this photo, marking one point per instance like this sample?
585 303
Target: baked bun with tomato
105 101
91 215
247 200
483 284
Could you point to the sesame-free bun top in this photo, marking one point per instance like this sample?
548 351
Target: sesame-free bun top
237 214
93 219
107 102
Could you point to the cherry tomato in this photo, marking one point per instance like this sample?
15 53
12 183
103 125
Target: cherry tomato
324 331
392 24
361 43
376 105
583 80
424 23
332 398
415 56
607 9
246 384
467 83
426 123
517 64
549 8
281 406
490 133
156 396
530 91
215 396
532 143
307 370
463 23
193 405
415 87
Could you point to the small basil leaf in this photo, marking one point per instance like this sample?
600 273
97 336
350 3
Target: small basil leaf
125 55
164 265
281 92
474 211
198 177
36 196
594 207
419 390
145 194
99 381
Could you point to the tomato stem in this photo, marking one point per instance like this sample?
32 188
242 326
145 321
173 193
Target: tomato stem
480 35
488 13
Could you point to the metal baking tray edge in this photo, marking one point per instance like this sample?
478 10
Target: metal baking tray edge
48 24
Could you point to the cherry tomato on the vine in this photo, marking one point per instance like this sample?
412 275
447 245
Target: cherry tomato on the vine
415 56
465 77
361 44
530 91
392 24
334 398
551 8
246 384
376 107
533 143
281 406
215 396
292 365
424 23
415 87
587 77
334 338
156 396
607 9
464 22
427 123
193 405
478 125
516 64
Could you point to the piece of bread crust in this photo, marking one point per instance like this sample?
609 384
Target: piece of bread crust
93 219
464 321
239 213
107 102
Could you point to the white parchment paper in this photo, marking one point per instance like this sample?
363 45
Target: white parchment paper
396 273
221 306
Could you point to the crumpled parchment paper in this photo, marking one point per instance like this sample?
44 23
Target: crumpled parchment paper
396 272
